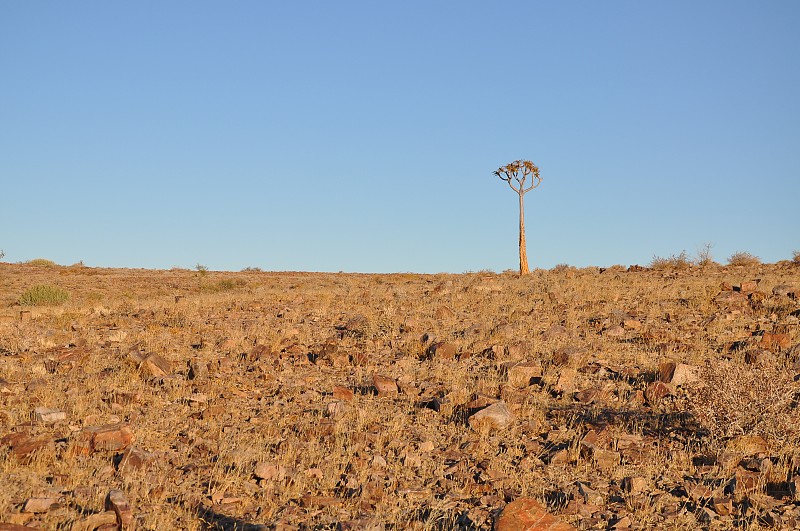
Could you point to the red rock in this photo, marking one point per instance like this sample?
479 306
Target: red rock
117 501
110 438
527 514
48 415
747 445
385 386
17 527
442 349
342 393
23 446
656 391
444 312
134 459
775 341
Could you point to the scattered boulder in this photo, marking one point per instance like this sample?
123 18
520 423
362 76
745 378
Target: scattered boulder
117 501
495 416
443 350
524 374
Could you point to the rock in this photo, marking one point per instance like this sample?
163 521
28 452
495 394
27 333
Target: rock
444 312
117 501
495 416
555 331
48 415
785 290
527 514
23 446
96 521
319 501
442 349
634 485
270 471
678 374
17 527
570 355
156 365
522 375
747 286
39 505
107 438
134 459
615 331
343 393
723 506
775 341
566 380
384 385
747 445
656 391
198 369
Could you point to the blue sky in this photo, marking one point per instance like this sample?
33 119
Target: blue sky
362 136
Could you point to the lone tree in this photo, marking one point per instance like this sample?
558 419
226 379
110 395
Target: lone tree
518 172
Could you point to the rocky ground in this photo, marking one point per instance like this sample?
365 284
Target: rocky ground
619 398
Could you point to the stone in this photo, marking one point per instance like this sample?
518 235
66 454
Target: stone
678 374
198 369
771 341
319 501
47 415
270 471
156 365
23 446
566 380
117 501
384 385
615 331
747 286
785 290
17 527
522 375
444 312
528 514
343 393
747 445
135 458
656 391
442 349
107 438
634 485
723 506
495 416
39 505
555 330
570 355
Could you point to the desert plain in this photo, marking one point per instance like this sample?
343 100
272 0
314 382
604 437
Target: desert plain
626 397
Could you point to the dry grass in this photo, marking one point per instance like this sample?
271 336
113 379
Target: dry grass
288 411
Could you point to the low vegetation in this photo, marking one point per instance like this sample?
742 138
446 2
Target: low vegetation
743 259
44 295
604 398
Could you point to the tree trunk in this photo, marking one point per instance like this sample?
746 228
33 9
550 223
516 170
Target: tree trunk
523 253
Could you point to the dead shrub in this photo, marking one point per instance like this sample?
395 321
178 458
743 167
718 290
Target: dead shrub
747 399
743 258
680 261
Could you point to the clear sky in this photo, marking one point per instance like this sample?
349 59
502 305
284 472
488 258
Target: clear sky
362 136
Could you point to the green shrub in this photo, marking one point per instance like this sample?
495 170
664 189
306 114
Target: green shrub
44 296
743 259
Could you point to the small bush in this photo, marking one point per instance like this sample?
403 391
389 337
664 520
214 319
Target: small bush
251 270
743 258
680 261
44 296
224 285
41 262
796 258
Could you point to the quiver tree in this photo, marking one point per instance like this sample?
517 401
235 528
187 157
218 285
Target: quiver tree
516 174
